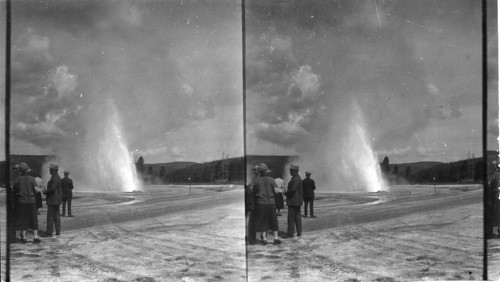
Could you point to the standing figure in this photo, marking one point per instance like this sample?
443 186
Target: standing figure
11 205
25 188
294 200
308 187
250 205
67 193
53 196
38 195
265 208
493 201
280 183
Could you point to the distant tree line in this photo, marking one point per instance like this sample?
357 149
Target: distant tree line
470 170
225 170
462 171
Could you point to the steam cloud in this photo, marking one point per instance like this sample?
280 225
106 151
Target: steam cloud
308 63
92 78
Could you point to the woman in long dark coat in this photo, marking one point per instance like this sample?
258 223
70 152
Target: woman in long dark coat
25 188
265 207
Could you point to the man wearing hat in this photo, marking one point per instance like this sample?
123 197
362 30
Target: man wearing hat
294 200
67 193
308 186
54 198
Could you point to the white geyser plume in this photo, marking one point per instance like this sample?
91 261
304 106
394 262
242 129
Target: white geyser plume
359 161
114 160
342 159
100 161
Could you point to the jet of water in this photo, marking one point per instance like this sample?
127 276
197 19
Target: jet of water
359 161
114 159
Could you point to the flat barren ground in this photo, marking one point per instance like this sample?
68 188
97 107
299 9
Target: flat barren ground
165 234
493 259
394 236
3 233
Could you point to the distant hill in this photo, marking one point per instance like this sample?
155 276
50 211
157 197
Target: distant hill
463 171
414 167
234 169
169 167
224 170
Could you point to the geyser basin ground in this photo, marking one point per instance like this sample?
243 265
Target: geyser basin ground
164 234
404 237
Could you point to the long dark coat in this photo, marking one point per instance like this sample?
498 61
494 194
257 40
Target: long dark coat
294 196
67 188
54 192
308 186
249 203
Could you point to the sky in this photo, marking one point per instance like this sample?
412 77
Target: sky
411 68
167 75
173 71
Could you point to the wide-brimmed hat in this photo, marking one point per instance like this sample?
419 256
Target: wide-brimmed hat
66 172
53 166
263 168
24 167
294 167
308 173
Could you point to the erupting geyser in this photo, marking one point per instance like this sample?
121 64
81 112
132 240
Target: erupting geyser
342 160
99 160
114 159
359 161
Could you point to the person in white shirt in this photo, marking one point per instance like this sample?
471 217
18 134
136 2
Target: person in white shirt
279 195
38 195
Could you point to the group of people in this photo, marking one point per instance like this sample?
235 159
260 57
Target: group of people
26 200
264 201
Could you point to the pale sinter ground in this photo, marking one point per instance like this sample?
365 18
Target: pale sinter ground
169 235
403 237
165 235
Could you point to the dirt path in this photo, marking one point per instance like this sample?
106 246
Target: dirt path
407 238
